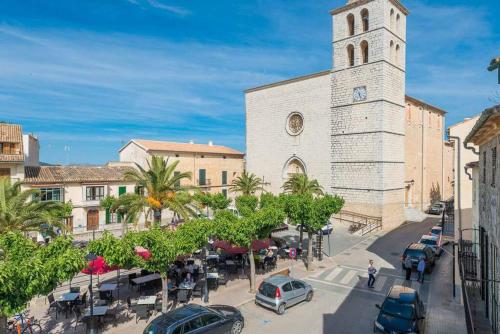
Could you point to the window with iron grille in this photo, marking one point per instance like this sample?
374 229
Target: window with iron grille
224 177
95 193
493 165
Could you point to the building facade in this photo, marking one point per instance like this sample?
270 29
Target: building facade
213 167
485 135
11 152
349 127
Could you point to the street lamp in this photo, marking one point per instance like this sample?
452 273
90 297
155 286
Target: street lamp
91 257
495 65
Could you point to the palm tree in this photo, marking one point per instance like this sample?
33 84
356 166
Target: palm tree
22 211
130 206
247 184
301 184
161 186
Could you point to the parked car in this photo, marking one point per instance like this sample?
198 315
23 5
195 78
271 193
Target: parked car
433 242
401 312
436 208
416 251
437 231
325 230
197 319
279 292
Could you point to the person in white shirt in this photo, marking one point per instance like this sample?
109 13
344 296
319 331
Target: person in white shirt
371 274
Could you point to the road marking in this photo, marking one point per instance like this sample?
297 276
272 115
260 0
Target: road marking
345 287
335 272
317 274
348 277
364 269
379 283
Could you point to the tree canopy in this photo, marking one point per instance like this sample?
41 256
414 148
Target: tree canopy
301 184
246 184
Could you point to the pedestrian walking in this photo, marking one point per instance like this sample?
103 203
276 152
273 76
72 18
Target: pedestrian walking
421 270
408 265
371 274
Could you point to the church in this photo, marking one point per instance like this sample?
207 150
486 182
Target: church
352 127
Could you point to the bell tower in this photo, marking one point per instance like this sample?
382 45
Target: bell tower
368 107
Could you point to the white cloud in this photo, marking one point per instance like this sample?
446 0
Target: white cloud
180 11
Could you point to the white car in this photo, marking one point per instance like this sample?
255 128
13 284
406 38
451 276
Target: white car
433 242
325 230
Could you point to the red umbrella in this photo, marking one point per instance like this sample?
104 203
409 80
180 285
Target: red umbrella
143 252
98 267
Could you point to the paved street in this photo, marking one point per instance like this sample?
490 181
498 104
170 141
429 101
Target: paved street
343 303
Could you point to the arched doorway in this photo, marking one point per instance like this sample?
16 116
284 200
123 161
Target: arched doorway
92 219
293 166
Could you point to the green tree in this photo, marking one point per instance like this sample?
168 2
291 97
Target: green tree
246 184
246 204
301 184
27 270
161 185
219 202
313 213
204 200
130 207
242 231
23 211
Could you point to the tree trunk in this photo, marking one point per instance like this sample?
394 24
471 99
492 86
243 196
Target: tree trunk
3 324
301 237
252 270
309 251
164 299
157 217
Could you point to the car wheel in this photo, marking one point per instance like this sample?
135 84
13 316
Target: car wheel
237 327
281 309
309 296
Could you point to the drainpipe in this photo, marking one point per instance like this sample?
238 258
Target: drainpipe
422 165
457 140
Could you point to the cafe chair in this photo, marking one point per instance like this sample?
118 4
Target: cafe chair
141 312
74 289
182 296
199 289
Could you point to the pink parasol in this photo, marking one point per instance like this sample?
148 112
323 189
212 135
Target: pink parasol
98 267
143 252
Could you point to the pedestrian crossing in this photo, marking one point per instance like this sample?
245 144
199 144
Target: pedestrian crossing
357 278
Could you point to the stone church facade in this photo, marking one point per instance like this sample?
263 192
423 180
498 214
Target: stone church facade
344 127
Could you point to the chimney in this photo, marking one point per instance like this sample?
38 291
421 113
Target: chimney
210 143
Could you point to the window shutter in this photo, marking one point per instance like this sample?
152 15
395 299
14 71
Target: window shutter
202 179
224 177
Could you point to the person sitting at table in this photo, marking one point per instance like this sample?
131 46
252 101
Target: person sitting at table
269 253
171 286
190 268
188 279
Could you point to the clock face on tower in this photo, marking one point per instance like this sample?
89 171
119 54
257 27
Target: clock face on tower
359 94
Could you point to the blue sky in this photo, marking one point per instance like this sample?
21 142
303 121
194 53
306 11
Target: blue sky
86 76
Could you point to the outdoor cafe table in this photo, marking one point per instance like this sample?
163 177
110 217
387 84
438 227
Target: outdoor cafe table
212 275
98 311
147 278
186 286
108 287
146 300
68 297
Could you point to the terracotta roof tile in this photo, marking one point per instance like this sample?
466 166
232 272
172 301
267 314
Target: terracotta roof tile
153 145
74 174
11 133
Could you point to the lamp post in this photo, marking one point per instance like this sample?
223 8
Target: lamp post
495 65
91 257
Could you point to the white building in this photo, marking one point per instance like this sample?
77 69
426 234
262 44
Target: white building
344 127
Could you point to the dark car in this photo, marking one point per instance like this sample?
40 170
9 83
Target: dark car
197 319
401 312
416 251
325 230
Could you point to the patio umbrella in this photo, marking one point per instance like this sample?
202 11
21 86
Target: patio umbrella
98 267
143 252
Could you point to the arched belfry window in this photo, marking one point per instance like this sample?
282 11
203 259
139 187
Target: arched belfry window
365 19
350 55
392 20
396 55
391 51
350 24
364 51
398 27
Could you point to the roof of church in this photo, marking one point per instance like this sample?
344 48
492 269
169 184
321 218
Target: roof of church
327 72
155 145
74 174
355 3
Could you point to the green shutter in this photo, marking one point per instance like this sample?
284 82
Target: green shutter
224 177
122 190
202 177
177 183
108 216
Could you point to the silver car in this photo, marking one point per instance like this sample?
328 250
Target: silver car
279 292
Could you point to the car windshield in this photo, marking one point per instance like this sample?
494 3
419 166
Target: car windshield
267 289
394 308
418 253
152 329
435 231
429 242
